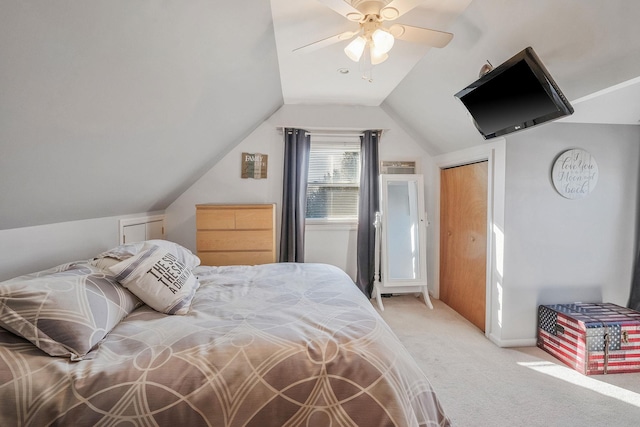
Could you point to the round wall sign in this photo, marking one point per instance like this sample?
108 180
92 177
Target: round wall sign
575 173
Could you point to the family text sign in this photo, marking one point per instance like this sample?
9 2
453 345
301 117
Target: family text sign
254 165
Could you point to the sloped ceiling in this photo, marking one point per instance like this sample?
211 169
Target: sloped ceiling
589 47
112 107
116 107
314 77
586 45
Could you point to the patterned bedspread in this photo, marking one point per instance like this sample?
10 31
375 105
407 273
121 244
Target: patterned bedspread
271 345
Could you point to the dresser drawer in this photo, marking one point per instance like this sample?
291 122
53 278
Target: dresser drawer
247 219
215 219
236 258
234 240
228 219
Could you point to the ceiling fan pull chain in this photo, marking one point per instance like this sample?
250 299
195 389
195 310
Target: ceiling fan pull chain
366 67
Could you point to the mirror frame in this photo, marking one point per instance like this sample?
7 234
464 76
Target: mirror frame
384 284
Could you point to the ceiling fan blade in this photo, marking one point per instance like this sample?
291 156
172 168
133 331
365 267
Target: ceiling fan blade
326 42
426 36
397 8
343 8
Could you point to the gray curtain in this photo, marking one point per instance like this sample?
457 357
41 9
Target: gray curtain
368 205
634 298
294 196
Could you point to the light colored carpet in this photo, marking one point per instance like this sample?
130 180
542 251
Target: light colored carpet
480 384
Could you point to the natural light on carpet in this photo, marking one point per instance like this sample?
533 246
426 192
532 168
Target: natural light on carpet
578 379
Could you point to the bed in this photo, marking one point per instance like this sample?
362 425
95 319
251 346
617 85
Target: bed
283 344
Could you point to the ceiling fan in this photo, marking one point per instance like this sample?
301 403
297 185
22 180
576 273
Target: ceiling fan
370 14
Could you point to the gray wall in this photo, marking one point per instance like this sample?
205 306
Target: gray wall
559 250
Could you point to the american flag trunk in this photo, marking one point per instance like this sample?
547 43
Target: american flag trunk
601 338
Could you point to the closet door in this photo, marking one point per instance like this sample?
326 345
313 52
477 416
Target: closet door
140 229
155 230
463 240
134 233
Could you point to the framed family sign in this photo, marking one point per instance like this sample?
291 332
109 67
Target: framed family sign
254 165
574 173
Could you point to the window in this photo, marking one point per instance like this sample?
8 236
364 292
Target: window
333 183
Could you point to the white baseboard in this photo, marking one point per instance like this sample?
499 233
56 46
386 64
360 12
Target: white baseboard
526 342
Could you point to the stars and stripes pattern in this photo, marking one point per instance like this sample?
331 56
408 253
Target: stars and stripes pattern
591 338
596 334
548 319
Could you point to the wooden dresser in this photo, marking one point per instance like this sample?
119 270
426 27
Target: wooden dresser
236 234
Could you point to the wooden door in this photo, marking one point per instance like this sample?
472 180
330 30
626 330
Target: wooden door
463 240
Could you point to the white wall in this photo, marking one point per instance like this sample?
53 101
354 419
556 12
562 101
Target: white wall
559 250
222 184
29 249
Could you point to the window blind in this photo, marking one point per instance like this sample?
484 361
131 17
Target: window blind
333 182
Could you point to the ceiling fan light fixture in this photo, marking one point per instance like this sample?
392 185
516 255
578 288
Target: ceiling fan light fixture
377 57
382 40
355 49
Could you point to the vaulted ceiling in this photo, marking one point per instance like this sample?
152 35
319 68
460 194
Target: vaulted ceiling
587 45
116 107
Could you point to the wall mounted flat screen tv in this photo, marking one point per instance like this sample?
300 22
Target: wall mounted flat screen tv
518 94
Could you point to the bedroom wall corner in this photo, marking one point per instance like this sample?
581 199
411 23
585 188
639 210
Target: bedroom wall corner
223 184
560 250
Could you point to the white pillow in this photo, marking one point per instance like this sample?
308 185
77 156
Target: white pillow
104 263
157 277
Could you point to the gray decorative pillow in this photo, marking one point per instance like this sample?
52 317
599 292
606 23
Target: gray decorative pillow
65 311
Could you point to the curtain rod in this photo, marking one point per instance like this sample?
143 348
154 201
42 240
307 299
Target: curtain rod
337 135
329 132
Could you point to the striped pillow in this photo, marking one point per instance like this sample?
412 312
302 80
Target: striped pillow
65 311
159 279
